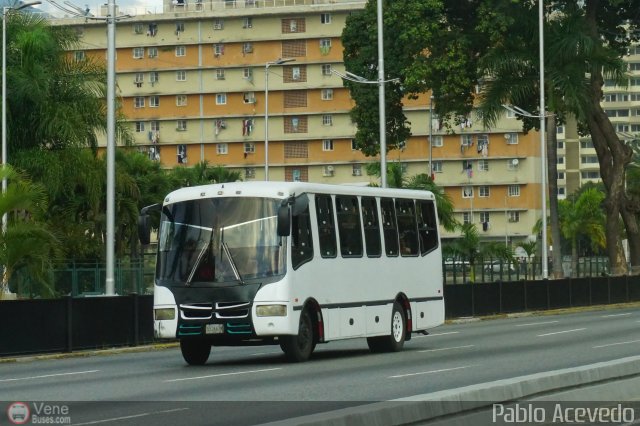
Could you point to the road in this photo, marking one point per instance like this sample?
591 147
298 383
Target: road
254 385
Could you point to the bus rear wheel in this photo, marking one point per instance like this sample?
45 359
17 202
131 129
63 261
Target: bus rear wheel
299 348
394 341
195 351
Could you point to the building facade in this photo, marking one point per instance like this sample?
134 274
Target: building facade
213 80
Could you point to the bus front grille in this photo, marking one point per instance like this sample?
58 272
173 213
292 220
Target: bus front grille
196 311
232 309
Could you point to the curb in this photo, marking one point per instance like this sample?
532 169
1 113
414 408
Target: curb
433 406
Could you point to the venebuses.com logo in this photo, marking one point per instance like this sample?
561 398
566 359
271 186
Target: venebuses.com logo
18 413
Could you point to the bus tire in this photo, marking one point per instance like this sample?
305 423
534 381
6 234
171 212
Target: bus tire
195 351
298 348
395 341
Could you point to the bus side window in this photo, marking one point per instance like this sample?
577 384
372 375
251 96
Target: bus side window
349 227
326 226
407 227
301 239
371 227
389 226
427 228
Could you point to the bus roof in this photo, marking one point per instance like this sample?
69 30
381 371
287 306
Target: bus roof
283 190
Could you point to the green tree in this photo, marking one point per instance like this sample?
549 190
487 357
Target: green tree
26 245
583 215
202 174
450 47
469 247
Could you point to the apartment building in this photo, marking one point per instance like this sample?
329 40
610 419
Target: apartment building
202 81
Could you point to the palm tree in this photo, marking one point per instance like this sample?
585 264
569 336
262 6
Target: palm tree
202 174
584 216
26 245
468 247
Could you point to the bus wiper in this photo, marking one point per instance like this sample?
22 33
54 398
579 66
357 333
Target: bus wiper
197 263
232 262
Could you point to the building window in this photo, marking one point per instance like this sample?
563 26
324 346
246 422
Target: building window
138 79
590 175
247 47
326 69
327 144
513 190
181 100
560 159
155 126
219 74
485 217
483 165
438 141
181 51
356 169
249 172
560 145
295 73
181 75
247 73
79 55
561 191
139 126
154 77
138 28
182 154
467 217
154 101
247 22
249 148
138 52
325 18
181 125
325 46
467 191
513 164
327 120
466 140
222 148
218 49
249 98
511 114
560 175
152 52
218 24
483 191
138 102
589 159
514 216
437 166
511 138
179 27
221 98
327 94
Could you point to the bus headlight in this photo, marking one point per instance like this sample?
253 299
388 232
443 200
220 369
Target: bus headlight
271 311
164 314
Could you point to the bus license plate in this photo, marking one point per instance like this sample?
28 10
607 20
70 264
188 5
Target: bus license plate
214 329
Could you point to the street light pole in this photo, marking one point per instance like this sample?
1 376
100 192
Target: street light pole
266 112
543 157
431 137
111 147
6 10
381 99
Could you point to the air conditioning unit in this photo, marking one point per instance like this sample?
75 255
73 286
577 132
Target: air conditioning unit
515 162
217 26
328 171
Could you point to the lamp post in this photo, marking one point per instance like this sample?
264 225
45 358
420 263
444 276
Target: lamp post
381 99
545 265
431 137
6 10
111 148
266 112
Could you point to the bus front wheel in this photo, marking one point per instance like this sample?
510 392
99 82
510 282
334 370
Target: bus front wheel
298 348
195 351
395 341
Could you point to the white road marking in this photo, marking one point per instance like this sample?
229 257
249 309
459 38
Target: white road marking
45 376
222 374
133 416
561 332
431 372
536 323
617 315
616 344
446 349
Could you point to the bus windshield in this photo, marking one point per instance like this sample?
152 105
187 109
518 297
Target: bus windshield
219 240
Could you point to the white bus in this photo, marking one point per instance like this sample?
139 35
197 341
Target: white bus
295 264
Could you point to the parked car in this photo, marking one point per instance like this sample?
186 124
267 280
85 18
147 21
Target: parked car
498 266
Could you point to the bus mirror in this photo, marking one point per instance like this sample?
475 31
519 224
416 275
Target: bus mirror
144 226
144 230
284 222
300 204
